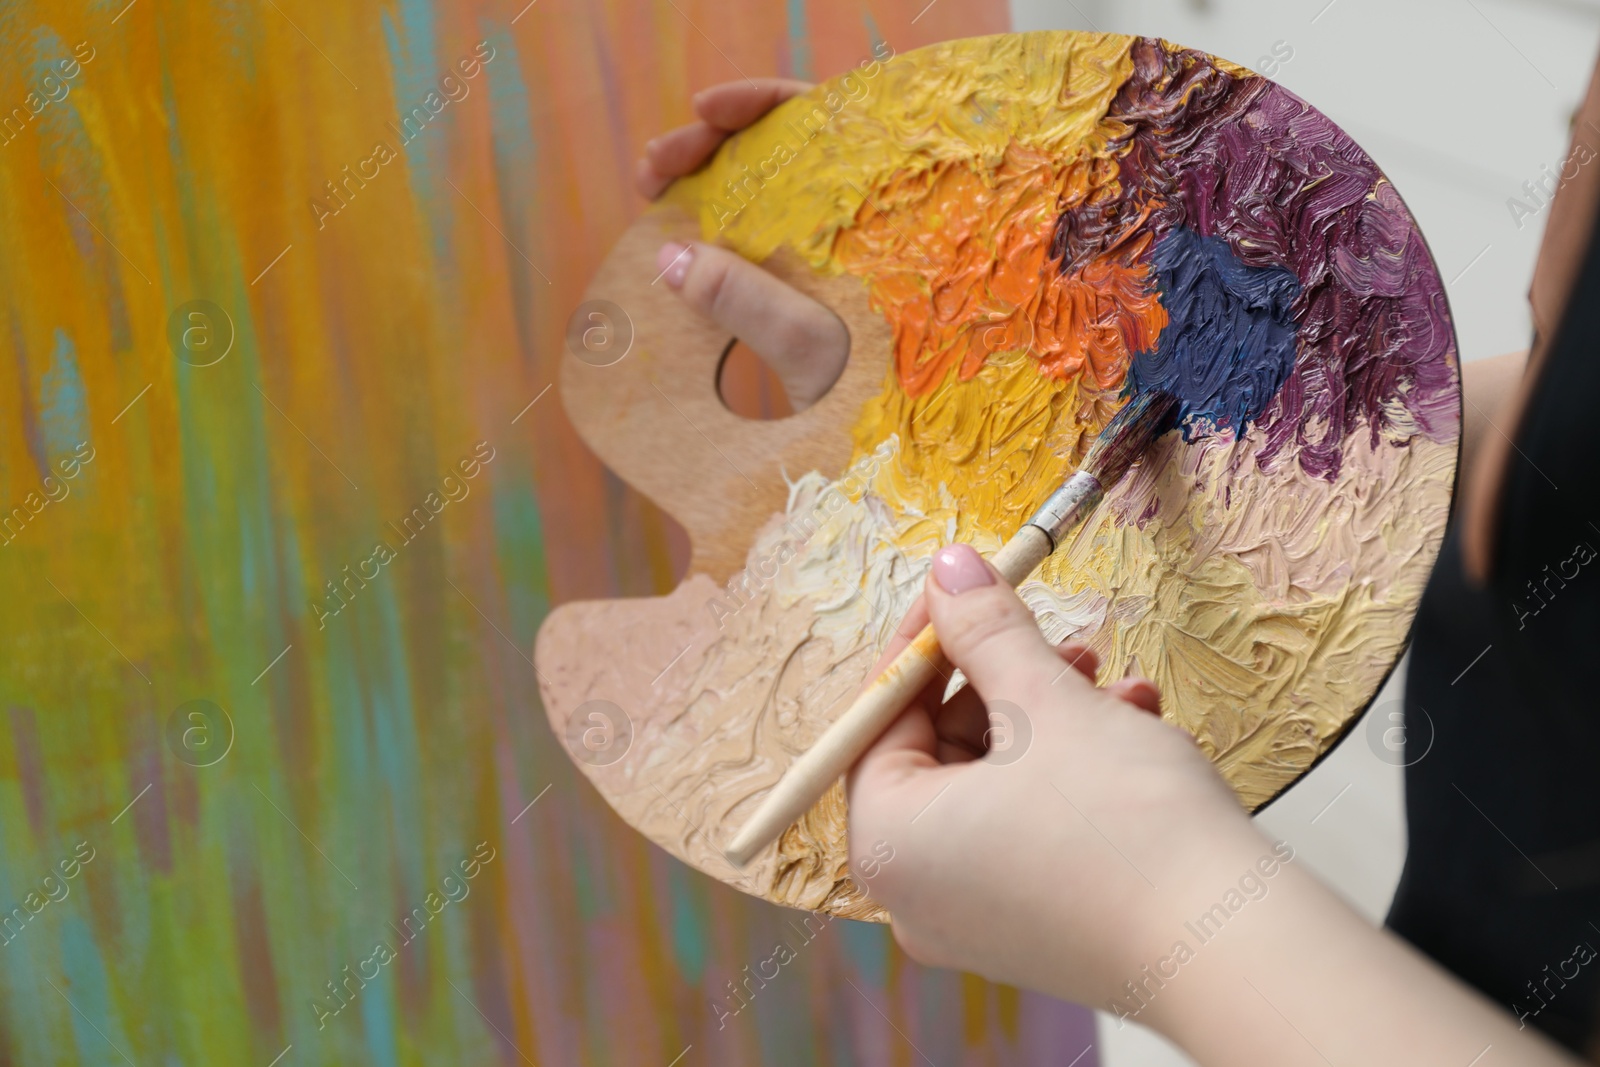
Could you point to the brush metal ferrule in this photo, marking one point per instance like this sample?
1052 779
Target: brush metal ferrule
1068 506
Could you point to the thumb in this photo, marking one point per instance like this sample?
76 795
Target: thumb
801 340
986 629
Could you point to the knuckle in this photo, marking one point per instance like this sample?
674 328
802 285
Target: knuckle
785 346
814 327
706 285
727 291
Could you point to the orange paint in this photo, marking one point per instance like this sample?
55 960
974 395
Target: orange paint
956 297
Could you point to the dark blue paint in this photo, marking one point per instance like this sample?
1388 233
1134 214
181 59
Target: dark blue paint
1229 344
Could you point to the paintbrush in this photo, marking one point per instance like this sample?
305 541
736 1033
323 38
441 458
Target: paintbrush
1124 439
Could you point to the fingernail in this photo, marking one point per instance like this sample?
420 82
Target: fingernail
673 263
958 568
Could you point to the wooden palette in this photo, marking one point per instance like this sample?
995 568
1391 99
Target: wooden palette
1013 229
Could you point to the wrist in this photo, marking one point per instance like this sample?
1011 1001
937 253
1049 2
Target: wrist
1235 911
1305 980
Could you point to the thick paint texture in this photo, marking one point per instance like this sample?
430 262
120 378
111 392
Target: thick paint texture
1230 340
174 532
1044 222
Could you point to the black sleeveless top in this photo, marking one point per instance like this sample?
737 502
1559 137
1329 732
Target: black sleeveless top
1502 878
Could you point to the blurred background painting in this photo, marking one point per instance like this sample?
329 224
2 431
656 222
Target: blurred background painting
284 498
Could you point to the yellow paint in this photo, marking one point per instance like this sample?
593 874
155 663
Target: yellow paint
826 152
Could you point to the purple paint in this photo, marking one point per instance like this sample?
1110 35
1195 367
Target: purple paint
1245 161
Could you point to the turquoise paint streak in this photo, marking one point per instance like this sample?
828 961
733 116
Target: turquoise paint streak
87 990
399 758
867 946
523 570
413 48
61 401
689 936
874 36
378 1018
590 888
800 40
516 159
521 563
786 1036
510 117
346 770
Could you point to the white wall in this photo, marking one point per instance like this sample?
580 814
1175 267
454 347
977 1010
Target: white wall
1460 102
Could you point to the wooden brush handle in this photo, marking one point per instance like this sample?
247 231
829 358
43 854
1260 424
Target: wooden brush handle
852 733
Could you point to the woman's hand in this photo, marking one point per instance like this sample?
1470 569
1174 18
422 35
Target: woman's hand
1100 858
1038 866
721 110
803 342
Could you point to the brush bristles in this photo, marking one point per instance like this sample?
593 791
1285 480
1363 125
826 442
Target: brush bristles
1125 438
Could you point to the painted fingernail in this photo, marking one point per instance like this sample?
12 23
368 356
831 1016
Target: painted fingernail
958 568
673 263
